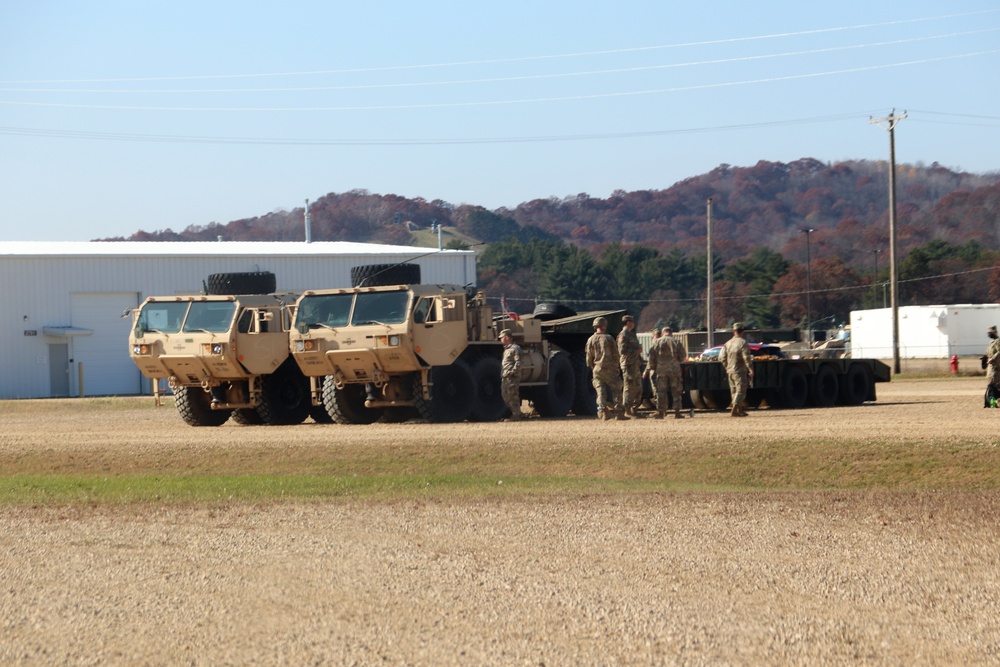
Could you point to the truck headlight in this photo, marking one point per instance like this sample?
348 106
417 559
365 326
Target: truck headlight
305 345
213 348
139 350
391 341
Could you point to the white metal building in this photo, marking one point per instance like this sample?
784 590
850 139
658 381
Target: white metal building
925 332
63 301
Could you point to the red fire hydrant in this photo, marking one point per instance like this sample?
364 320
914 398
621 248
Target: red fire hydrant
954 363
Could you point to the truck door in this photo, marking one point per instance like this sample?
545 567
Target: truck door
439 328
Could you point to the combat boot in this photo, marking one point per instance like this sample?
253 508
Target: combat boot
735 412
677 414
659 414
622 417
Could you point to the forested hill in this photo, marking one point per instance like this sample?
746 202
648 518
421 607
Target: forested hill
765 205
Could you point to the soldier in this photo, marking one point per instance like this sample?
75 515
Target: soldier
657 332
630 353
735 355
602 360
510 375
990 362
665 359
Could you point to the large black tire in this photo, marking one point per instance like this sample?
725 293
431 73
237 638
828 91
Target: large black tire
716 399
584 394
377 275
285 396
824 388
697 401
247 417
552 311
855 385
556 398
194 405
453 393
398 414
256 282
489 406
347 404
794 391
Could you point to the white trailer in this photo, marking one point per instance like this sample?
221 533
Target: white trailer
925 332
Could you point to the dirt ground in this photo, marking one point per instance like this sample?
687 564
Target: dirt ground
805 577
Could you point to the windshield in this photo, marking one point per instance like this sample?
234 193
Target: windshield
211 316
162 316
330 310
380 307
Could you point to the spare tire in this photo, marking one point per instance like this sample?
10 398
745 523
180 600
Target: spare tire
552 311
377 275
255 282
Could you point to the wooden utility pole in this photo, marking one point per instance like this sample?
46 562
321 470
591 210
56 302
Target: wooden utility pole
708 292
889 123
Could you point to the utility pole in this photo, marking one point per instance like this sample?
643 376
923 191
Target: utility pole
809 335
708 293
876 251
890 122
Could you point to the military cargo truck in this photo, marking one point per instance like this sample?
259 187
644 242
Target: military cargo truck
393 351
224 355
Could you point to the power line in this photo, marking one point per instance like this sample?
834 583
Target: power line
493 61
502 79
507 102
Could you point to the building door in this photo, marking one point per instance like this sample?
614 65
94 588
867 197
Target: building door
107 367
59 369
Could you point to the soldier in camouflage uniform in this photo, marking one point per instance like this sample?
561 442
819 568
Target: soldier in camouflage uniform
736 357
510 375
603 361
657 332
992 363
630 354
665 359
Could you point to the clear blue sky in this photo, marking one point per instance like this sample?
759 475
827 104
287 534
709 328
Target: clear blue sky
118 116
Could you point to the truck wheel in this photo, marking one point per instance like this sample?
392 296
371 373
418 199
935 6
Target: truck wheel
697 400
584 394
794 391
716 399
377 275
453 393
320 415
556 398
255 282
824 387
195 407
489 406
855 385
284 397
246 417
347 404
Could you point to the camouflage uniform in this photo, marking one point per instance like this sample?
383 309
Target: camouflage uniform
735 354
665 359
630 352
510 378
992 363
603 361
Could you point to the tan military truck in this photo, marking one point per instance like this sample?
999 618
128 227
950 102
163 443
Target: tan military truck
224 355
386 351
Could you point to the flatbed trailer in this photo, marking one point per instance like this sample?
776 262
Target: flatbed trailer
787 383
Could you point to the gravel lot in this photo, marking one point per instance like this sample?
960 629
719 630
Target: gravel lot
808 578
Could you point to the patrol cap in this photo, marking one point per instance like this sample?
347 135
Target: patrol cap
628 318
737 326
668 330
506 332
600 322
992 329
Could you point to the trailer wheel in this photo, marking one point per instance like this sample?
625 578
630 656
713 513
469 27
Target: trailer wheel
556 398
453 393
254 282
489 405
246 417
794 391
195 407
856 385
824 387
346 404
584 394
716 399
284 396
378 275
